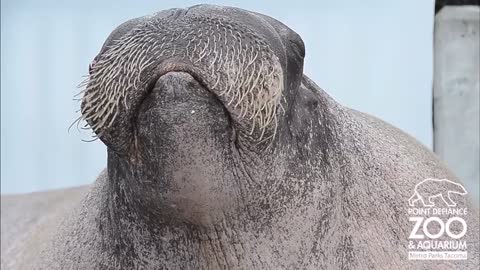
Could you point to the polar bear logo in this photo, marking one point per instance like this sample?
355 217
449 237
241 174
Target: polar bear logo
428 189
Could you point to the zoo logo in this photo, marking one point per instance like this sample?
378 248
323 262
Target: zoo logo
432 220
431 188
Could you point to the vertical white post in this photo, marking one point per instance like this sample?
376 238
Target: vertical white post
456 89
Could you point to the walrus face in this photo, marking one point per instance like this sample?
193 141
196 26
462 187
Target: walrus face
174 95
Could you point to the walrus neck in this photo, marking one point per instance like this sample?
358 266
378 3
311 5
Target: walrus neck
131 198
132 236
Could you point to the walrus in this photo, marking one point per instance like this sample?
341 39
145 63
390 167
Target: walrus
222 154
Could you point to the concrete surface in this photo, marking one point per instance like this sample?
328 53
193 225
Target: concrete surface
456 92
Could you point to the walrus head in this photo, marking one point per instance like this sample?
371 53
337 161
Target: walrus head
182 97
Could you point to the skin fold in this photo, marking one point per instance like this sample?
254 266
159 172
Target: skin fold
222 154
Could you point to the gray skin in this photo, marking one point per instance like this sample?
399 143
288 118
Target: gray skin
188 186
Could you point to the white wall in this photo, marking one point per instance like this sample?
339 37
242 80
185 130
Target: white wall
375 56
457 92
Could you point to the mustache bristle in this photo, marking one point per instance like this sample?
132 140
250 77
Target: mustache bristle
236 64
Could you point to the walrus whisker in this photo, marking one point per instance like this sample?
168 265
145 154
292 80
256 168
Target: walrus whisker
76 121
242 109
104 120
245 110
83 83
136 52
203 52
269 139
217 81
226 52
81 92
252 129
262 130
245 93
215 52
78 124
220 62
85 127
89 141
240 100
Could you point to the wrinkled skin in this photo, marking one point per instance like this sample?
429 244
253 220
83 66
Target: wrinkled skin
188 186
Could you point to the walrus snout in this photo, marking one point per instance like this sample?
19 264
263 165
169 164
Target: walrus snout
178 92
229 57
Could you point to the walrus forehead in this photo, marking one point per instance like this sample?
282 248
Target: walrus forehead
256 22
235 60
261 24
